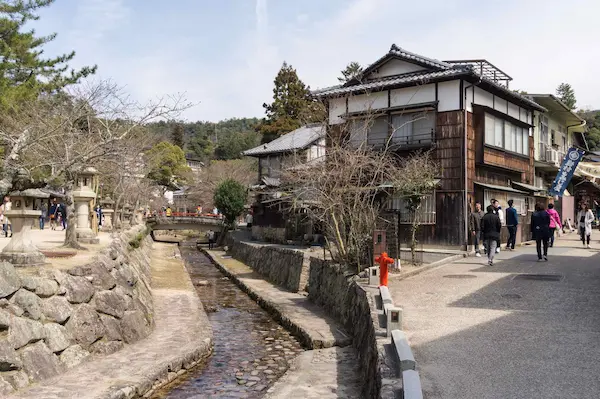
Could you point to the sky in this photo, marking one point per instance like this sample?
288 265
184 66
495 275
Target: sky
223 55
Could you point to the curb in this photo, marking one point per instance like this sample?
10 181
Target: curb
303 336
429 266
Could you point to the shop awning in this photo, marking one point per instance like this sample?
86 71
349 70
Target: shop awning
528 187
500 188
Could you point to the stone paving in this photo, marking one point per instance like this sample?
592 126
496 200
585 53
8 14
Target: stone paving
182 335
483 332
320 373
52 240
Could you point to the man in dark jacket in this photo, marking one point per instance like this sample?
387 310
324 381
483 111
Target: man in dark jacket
475 226
540 229
490 227
512 220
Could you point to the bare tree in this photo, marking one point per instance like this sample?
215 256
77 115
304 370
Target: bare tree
83 126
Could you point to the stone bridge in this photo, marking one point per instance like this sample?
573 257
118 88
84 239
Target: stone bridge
185 222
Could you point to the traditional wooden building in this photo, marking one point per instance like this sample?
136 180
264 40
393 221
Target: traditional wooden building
270 221
479 130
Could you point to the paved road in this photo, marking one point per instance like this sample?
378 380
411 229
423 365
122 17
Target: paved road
479 333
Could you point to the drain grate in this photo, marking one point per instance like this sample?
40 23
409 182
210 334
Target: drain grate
460 276
539 277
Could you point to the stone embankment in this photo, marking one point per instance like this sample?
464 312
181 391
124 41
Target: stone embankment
181 339
52 320
281 266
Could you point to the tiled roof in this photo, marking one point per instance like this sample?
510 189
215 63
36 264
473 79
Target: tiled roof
414 77
295 140
400 52
438 70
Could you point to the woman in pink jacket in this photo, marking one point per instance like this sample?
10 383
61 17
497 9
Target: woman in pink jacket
554 222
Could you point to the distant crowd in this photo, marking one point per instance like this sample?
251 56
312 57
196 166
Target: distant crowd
545 224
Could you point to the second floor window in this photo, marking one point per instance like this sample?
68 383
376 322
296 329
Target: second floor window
413 129
503 134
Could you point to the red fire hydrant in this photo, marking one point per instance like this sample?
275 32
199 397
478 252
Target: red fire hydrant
384 260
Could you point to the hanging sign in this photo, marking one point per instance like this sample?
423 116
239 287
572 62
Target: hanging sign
565 173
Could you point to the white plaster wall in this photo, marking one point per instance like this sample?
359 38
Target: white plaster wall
525 116
469 99
412 95
365 102
500 104
316 150
395 67
337 107
513 110
482 97
449 96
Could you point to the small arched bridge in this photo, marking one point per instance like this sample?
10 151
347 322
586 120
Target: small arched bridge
185 221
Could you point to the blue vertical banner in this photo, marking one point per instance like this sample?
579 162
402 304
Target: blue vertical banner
565 173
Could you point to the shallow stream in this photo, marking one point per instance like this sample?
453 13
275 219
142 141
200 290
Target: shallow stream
251 351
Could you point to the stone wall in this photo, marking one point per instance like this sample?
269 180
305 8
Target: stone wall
52 320
269 234
340 294
282 266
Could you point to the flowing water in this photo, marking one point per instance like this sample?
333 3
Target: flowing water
251 351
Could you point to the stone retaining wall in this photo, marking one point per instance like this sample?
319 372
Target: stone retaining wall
281 266
52 320
340 294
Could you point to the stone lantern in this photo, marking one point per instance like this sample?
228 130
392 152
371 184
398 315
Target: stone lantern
82 195
126 214
20 250
139 215
108 211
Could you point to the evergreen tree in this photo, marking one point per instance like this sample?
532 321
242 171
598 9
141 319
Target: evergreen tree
167 164
24 73
292 106
177 135
565 92
353 70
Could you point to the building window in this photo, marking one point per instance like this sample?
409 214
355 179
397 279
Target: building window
413 128
503 134
425 214
520 202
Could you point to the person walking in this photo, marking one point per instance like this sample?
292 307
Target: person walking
490 226
498 211
62 211
475 227
585 217
540 228
6 225
44 215
512 221
554 222
211 239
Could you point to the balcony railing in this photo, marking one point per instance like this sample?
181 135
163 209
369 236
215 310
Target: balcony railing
398 142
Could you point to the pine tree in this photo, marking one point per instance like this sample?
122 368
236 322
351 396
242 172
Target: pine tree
177 135
292 106
24 73
565 92
353 70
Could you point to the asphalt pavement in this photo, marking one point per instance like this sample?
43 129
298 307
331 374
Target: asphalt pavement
519 329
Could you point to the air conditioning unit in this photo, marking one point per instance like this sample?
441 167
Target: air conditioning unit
555 157
548 157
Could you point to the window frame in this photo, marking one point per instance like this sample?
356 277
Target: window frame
499 130
427 212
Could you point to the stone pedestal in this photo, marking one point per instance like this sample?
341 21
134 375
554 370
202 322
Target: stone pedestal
20 250
82 196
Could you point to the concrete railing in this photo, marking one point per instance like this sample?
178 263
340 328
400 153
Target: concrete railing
411 381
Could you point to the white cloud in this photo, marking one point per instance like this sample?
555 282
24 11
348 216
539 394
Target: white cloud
95 18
